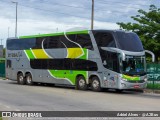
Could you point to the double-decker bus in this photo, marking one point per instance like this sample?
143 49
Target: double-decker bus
87 58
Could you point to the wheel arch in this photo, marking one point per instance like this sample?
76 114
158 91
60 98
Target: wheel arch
28 72
19 72
87 80
94 75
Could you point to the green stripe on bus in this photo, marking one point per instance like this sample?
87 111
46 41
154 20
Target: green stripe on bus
85 56
69 75
56 34
130 77
30 54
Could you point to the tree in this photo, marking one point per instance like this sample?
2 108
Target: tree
147 26
4 52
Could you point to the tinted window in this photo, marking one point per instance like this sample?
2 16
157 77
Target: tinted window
36 63
129 42
53 42
63 64
72 41
20 44
79 64
104 39
69 41
9 64
38 43
84 40
110 60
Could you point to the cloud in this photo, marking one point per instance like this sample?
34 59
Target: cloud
43 16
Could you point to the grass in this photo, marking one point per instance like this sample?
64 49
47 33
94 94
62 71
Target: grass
153 86
2 78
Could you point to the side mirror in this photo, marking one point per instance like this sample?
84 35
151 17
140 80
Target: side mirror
151 53
115 50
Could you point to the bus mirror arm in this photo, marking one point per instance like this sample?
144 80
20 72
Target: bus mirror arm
115 50
151 53
123 55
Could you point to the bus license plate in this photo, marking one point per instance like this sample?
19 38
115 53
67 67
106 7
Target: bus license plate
136 86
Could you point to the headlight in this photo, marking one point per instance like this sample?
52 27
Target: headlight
123 79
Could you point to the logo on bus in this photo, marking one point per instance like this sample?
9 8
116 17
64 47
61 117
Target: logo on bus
17 54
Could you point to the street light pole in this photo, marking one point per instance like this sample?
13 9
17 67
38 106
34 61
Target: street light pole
16 18
8 31
92 16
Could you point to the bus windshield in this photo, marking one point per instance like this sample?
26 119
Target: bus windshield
129 41
134 65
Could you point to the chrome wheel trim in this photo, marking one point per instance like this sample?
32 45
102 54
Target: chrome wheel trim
95 84
82 83
29 79
21 79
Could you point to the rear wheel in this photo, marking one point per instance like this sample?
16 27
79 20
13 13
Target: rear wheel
29 79
81 83
20 79
95 84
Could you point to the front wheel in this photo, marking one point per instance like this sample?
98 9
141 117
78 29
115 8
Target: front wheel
81 83
29 79
95 84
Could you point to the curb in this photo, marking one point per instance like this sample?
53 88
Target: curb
3 78
152 91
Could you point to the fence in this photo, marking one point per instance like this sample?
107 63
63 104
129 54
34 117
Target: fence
2 67
153 70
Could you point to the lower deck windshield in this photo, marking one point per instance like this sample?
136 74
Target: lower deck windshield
134 65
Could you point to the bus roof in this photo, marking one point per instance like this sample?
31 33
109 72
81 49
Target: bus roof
56 34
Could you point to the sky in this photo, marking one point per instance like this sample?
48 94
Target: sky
50 16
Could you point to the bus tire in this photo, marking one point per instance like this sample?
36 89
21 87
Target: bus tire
20 79
29 79
81 83
95 84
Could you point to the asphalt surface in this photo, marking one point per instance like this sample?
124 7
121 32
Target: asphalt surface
14 97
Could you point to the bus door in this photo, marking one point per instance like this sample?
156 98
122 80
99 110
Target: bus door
9 69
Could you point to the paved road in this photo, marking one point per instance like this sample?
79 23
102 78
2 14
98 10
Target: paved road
50 98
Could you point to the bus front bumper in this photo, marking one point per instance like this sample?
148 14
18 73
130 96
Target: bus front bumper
135 85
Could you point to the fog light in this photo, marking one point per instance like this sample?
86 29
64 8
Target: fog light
125 79
123 85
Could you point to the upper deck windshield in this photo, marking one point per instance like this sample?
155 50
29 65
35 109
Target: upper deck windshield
134 65
128 41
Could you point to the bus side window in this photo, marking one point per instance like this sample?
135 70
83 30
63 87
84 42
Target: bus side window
9 64
84 40
67 41
110 60
54 42
105 39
